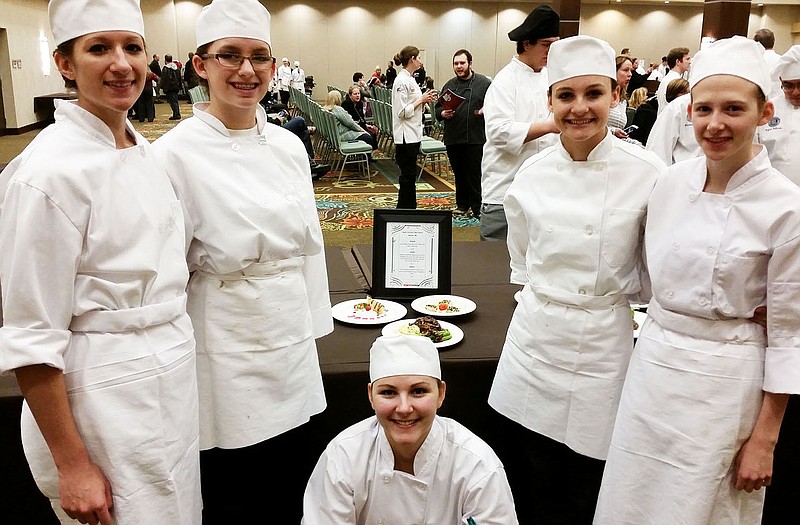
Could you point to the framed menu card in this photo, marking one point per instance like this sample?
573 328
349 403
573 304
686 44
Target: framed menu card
411 253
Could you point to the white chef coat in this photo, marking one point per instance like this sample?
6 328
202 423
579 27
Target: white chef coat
672 135
694 386
299 79
284 76
516 98
575 238
456 476
93 280
781 137
406 119
661 92
259 294
772 58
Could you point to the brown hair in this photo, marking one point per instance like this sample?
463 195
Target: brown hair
405 54
676 88
66 49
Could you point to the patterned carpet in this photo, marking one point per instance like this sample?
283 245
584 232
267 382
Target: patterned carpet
347 204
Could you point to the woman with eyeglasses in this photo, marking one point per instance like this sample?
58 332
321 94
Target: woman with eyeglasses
93 281
258 297
408 104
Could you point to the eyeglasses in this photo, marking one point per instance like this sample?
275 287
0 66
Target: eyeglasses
790 86
235 60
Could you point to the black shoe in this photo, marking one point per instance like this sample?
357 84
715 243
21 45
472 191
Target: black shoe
319 169
174 118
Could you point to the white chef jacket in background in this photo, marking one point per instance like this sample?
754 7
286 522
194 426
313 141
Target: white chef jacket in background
694 386
781 137
259 294
516 98
93 279
299 79
575 240
284 76
672 135
406 119
456 476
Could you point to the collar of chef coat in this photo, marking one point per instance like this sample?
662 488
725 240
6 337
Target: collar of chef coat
199 111
600 152
427 455
758 167
528 70
69 110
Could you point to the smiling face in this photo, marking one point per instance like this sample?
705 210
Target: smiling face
405 407
235 92
725 112
580 107
109 68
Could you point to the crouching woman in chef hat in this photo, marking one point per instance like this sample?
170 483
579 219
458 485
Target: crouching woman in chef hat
576 216
93 279
406 464
258 296
706 389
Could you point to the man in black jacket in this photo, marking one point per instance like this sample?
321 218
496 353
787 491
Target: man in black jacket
464 131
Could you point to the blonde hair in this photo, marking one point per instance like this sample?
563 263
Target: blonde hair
334 98
638 97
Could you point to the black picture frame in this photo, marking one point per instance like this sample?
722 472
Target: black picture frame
420 242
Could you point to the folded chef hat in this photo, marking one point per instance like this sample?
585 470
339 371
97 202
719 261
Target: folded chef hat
73 18
542 22
737 56
788 67
296 63
233 19
580 55
403 355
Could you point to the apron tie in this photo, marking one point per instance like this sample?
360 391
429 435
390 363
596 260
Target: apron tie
129 318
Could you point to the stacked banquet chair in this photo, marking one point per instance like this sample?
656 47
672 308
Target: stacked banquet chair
333 150
431 148
382 114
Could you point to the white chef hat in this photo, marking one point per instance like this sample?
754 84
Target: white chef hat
788 67
737 56
233 19
296 63
73 18
580 55
400 355
285 59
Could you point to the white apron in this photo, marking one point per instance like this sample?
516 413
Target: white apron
259 293
575 240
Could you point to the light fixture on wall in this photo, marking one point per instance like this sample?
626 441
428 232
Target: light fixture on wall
44 54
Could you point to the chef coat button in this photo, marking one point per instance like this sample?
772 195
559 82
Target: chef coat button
676 245
380 522
290 197
588 230
582 291
692 197
550 228
123 157
724 260
386 479
702 301
235 147
560 167
710 250
670 294
727 202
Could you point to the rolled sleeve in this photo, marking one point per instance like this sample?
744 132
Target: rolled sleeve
782 360
41 248
518 237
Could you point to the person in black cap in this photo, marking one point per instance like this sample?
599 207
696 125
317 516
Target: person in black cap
518 122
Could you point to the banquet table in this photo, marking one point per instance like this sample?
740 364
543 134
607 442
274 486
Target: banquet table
480 272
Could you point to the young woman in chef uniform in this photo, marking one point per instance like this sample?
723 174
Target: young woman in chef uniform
706 389
406 464
576 215
93 280
258 297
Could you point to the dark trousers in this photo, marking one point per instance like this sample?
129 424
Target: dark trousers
406 158
369 139
551 483
241 485
299 127
172 98
466 162
284 97
145 107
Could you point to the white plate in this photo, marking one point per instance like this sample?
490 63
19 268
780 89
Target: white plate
346 312
456 332
463 304
639 317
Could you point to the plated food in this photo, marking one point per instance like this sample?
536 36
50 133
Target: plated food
442 333
368 311
443 305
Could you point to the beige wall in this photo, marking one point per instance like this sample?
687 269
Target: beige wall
334 39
